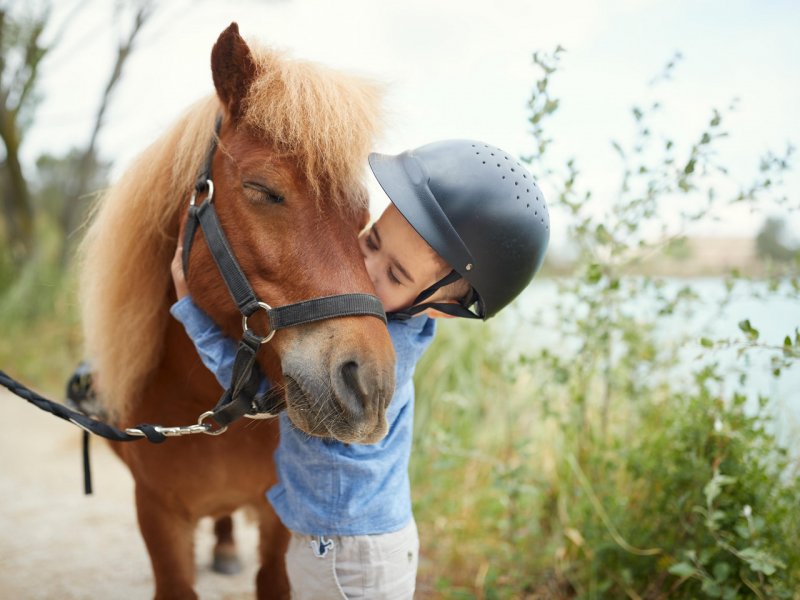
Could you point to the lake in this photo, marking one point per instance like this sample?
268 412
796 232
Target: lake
774 314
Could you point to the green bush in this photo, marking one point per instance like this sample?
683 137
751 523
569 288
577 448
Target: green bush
607 463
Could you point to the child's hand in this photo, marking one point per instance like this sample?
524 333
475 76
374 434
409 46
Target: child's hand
178 277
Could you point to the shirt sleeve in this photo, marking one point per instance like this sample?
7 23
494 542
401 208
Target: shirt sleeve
216 350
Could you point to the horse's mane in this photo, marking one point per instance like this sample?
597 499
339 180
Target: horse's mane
324 120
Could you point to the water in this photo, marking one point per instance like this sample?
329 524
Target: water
774 314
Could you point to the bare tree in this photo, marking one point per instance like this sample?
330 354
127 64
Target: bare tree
74 206
22 52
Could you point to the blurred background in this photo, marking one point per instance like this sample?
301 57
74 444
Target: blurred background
628 427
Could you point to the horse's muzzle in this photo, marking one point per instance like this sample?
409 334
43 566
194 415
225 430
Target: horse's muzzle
348 402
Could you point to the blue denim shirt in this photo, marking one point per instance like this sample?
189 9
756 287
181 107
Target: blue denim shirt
326 487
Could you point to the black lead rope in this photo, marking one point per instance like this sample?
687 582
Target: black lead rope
83 421
87 467
77 418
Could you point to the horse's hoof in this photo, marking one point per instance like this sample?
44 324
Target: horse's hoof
227 564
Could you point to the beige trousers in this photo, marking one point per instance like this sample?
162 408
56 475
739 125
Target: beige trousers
374 567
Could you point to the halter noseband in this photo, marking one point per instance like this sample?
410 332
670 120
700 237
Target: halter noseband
240 398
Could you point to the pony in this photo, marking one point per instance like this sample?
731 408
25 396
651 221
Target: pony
291 153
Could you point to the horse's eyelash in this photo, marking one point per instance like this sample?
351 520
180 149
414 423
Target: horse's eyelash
274 197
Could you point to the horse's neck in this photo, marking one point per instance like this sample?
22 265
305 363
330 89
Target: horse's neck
181 387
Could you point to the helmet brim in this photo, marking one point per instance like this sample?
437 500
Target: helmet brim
406 184
477 207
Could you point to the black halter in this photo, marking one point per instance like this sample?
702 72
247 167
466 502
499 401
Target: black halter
240 398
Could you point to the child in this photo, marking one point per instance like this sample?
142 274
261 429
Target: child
466 230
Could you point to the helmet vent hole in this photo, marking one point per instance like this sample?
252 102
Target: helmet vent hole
504 176
512 169
484 162
498 164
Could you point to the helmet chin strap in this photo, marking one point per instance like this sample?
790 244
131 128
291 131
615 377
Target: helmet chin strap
419 305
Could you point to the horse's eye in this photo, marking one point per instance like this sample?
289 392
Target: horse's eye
262 193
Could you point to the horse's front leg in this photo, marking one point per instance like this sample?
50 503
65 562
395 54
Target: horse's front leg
169 536
271 581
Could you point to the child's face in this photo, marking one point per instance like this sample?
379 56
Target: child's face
399 262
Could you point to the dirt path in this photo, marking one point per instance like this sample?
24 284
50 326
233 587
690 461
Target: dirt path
57 543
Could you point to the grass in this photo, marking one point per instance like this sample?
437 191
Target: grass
39 320
523 488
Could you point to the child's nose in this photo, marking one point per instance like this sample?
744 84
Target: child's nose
372 271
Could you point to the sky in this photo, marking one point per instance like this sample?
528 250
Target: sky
461 69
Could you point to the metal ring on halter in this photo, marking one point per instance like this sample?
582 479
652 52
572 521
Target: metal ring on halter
209 430
210 195
268 337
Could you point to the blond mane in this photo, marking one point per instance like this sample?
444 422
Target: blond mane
324 120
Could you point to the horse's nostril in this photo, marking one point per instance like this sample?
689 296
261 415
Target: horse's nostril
353 392
350 375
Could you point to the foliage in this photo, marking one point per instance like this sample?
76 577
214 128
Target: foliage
40 340
604 462
770 241
43 208
22 55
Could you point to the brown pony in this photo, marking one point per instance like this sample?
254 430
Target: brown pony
287 173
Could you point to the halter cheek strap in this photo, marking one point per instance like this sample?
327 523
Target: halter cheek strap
203 184
419 305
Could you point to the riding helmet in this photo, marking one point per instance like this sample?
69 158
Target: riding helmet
477 207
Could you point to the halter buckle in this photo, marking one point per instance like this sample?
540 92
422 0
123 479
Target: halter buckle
266 338
209 197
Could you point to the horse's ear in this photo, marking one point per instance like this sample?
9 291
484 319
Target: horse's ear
233 69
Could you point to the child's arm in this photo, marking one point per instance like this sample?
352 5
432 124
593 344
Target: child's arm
216 350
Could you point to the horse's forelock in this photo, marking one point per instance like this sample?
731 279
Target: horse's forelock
326 120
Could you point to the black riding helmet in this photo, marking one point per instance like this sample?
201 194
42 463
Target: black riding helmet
478 208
